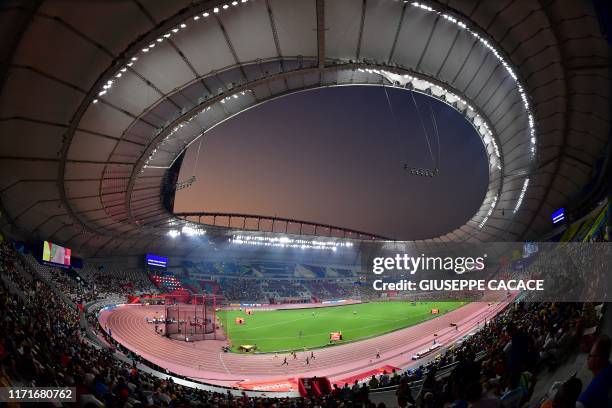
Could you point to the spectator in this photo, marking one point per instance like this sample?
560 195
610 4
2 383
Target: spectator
596 395
566 396
404 393
475 398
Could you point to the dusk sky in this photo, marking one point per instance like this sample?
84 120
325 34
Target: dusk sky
335 156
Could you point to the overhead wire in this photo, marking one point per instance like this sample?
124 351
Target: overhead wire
397 126
423 126
195 164
435 127
192 179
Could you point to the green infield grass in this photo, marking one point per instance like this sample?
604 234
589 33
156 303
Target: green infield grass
283 330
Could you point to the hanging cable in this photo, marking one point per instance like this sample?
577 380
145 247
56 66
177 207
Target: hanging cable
435 126
187 183
420 171
433 160
397 126
195 165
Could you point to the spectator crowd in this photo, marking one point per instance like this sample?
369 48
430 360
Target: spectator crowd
43 342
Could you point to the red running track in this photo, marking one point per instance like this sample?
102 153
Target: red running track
204 360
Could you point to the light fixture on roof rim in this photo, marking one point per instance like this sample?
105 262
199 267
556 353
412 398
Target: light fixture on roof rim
500 58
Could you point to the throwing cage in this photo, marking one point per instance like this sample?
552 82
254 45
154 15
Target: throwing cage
195 321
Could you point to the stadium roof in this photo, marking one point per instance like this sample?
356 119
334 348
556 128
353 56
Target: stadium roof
99 98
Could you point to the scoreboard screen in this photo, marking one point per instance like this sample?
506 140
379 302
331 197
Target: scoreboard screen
56 254
558 216
156 261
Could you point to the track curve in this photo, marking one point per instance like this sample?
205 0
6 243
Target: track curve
206 362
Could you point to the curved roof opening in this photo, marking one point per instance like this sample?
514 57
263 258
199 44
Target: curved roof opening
100 118
336 156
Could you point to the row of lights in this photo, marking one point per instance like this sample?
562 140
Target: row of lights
521 196
236 95
190 231
187 121
454 100
110 83
286 242
486 131
169 137
491 209
509 70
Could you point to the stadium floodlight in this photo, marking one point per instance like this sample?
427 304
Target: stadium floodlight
287 242
191 231
174 233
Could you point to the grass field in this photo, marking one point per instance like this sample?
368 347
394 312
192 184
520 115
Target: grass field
279 330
